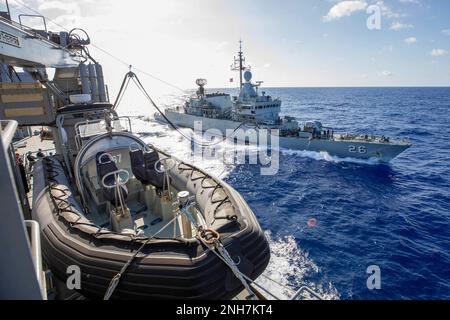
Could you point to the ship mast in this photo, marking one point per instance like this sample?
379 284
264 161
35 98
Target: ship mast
239 64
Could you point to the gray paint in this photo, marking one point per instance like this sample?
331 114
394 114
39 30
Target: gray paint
17 272
32 52
94 83
84 75
340 148
101 83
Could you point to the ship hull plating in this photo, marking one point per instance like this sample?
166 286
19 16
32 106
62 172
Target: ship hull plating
359 149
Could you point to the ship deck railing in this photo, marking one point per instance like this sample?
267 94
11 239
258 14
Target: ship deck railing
371 139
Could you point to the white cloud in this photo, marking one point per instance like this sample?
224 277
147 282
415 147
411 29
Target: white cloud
221 45
387 12
410 1
345 9
446 32
267 65
396 26
411 40
66 12
386 73
438 53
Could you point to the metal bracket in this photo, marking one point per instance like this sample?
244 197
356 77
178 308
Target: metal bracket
32 16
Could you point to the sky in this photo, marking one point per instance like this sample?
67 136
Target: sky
303 43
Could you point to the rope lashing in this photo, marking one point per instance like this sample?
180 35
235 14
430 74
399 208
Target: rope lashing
116 279
211 239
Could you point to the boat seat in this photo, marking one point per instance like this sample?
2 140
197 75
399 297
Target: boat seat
143 167
105 166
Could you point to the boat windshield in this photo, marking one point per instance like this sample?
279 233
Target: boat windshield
88 129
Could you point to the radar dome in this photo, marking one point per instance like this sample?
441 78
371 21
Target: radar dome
201 82
248 76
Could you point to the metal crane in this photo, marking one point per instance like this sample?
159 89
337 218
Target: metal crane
30 97
24 47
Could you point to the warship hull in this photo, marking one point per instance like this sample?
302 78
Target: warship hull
339 147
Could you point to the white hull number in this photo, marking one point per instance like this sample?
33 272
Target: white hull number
355 149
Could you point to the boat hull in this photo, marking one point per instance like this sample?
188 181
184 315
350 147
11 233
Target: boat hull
165 268
383 152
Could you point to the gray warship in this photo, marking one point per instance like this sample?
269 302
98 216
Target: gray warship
253 108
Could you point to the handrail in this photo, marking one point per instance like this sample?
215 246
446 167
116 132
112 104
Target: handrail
78 133
118 181
295 293
299 293
164 167
36 253
32 16
7 132
30 32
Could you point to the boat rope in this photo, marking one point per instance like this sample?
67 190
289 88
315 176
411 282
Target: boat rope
119 195
215 245
62 205
122 90
242 275
131 75
20 3
116 280
222 253
211 239
216 187
295 294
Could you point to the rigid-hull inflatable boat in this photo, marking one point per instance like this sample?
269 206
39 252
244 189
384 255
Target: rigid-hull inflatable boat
127 202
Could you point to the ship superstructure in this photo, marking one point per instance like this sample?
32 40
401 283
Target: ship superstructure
255 108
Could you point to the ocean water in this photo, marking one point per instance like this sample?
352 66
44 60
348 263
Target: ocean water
395 216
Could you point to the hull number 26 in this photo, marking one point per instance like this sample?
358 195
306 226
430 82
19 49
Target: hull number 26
355 149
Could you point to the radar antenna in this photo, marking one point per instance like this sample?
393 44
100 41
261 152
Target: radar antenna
239 64
201 90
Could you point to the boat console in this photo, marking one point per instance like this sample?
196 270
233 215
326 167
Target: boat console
123 187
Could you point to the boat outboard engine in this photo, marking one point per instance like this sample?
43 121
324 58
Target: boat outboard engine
113 183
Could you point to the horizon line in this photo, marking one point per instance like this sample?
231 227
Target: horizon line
337 87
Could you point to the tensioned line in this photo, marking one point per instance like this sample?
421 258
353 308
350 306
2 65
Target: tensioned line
127 64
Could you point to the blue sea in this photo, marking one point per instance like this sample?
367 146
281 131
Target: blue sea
395 216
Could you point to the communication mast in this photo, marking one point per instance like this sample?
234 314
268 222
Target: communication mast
239 64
